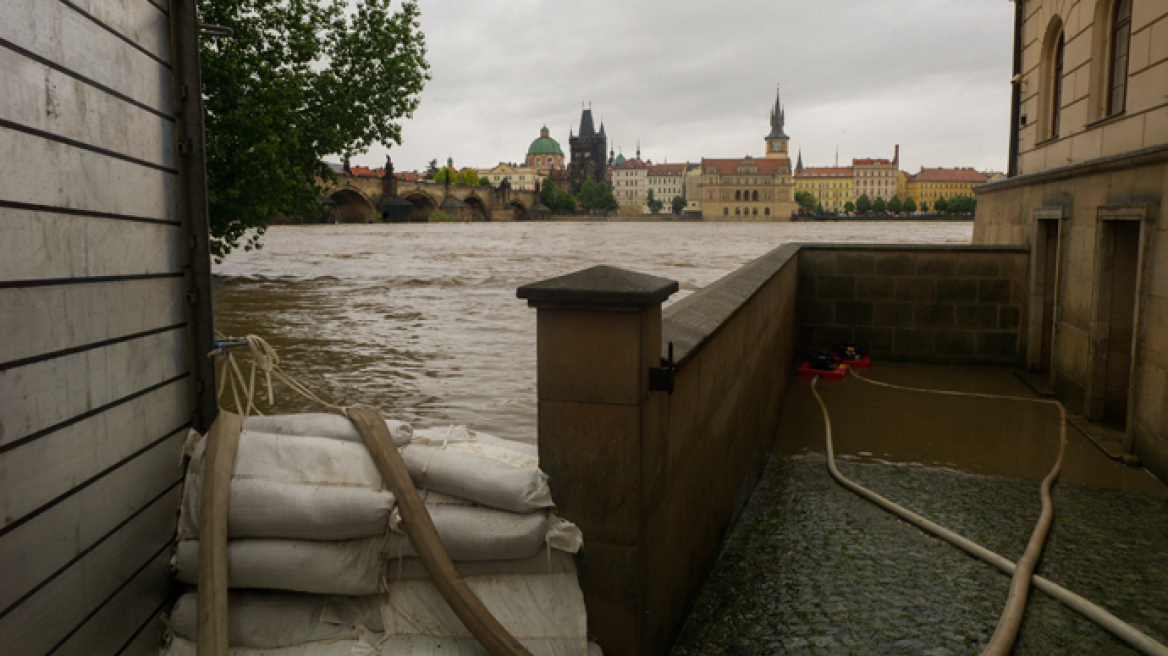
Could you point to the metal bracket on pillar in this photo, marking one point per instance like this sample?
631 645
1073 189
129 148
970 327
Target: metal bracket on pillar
661 378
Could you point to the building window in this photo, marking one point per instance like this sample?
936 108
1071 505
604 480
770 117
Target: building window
738 195
725 211
755 195
767 211
1120 46
755 212
737 211
1051 89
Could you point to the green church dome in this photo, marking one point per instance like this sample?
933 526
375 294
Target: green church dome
620 159
544 145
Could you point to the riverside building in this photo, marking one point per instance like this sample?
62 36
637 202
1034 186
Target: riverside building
749 188
1087 172
931 185
830 185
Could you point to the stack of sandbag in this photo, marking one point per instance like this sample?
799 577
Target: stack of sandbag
318 562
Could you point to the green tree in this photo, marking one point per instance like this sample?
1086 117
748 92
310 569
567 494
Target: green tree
894 205
468 177
941 205
547 193
807 202
597 196
607 198
910 206
563 203
924 206
863 204
962 205
431 170
879 205
654 204
849 207
678 204
298 81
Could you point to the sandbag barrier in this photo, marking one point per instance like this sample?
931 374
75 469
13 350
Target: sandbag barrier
315 544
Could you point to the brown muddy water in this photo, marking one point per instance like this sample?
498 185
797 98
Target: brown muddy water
422 321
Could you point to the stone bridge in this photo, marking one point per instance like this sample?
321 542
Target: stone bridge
357 198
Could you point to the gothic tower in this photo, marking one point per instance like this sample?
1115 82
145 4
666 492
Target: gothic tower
588 151
776 141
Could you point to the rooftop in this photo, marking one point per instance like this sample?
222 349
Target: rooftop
950 175
765 166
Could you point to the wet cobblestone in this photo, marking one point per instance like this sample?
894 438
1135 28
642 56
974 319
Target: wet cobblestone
812 569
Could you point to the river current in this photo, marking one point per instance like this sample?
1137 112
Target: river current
422 321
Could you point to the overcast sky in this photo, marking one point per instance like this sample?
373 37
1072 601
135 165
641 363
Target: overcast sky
697 79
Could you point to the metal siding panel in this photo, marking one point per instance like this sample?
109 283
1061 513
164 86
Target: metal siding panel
47 617
44 394
148 642
39 320
61 175
40 97
43 245
63 36
36 550
39 471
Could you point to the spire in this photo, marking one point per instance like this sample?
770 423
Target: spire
638 149
799 166
587 128
778 119
837 155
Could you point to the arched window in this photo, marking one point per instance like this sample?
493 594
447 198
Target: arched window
755 211
767 211
737 195
1051 88
1120 46
737 211
754 196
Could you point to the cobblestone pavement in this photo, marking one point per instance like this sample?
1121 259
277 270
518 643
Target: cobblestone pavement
812 569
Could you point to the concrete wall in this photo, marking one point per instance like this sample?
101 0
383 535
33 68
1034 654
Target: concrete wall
655 479
1080 200
97 314
937 304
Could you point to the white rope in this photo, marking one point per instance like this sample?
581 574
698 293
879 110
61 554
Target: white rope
264 359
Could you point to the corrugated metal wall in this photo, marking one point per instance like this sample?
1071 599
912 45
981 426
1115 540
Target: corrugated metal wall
96 319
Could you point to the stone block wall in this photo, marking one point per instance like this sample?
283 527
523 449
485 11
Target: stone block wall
936 304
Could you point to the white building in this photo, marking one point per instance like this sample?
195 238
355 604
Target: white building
522 178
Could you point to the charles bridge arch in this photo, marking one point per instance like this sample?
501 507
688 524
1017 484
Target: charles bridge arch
357 197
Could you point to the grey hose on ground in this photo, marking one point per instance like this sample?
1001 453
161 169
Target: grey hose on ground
1093 612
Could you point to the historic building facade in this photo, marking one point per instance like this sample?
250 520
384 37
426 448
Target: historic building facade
929 185
521 178
544 154
749 188
588 149
666 181
830 185
630 185
876 178
1085 191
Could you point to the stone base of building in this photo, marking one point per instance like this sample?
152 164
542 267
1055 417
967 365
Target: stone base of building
1096 320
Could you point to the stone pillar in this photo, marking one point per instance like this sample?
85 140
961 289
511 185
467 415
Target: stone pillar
598 334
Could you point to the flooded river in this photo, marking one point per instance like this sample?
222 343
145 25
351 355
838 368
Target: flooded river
422 321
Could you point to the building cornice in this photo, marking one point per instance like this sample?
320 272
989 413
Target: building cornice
1149 156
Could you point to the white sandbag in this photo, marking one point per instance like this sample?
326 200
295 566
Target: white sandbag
349 567
440 436
487 474
177 646
545 611
320 424
294 487
270 620
472 533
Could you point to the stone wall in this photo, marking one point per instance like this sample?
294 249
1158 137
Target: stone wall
1072 205
938 304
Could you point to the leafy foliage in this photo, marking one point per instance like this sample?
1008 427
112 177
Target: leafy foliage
431 170
895 206
300 79
909 206
863 204
597 196
879 205
807 201
655 204
962 205
849 207
924 206
438 216
941 205
678 204
563 203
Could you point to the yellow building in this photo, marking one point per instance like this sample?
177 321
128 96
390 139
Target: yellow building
750 189
930 185
830 185
875 177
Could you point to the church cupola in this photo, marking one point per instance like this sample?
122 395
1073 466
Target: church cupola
777 140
